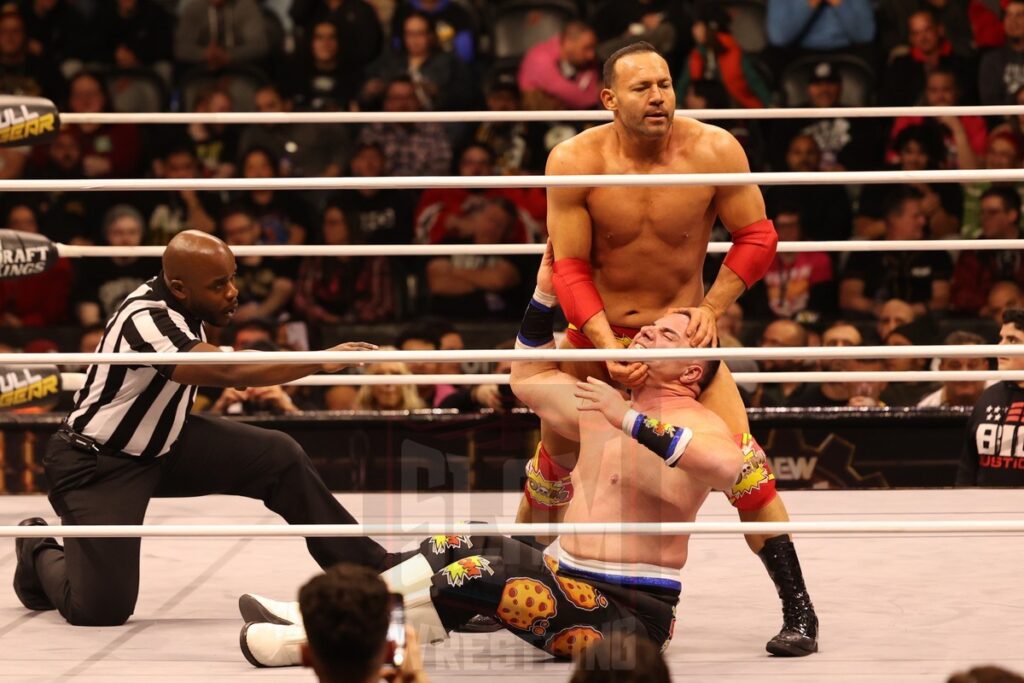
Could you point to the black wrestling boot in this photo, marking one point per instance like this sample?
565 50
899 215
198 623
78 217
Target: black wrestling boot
26 582
799 634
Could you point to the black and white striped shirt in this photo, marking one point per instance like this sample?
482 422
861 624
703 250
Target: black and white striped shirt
138 409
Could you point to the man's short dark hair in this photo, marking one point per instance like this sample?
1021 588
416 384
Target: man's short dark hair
1009 195
897 199
621 658
631 49
346 612
424 330
1015 317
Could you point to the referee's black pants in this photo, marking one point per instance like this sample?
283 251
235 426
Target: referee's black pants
95 581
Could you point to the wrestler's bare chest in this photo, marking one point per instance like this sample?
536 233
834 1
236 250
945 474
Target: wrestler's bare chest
658 217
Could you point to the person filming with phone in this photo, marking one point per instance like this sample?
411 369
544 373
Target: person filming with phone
356 631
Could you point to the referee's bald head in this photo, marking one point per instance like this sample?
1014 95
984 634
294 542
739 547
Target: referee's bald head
199 270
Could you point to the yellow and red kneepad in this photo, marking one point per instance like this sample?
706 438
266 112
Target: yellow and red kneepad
755 486
548 484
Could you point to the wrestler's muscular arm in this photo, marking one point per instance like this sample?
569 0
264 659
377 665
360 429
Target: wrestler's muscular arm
741 210
570 229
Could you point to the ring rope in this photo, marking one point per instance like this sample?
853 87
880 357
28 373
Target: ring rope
832 246
530 355
514 529
523 116
1005 175
73 381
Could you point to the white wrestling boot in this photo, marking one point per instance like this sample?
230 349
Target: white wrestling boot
412 579
270 645
260 609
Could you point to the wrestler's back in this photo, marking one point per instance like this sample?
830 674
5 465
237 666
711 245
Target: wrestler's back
616 480
649 243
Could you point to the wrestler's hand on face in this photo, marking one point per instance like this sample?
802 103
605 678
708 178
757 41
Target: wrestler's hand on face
703 327
347 346
602 397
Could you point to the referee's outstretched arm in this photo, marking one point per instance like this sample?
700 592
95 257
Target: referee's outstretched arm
199 270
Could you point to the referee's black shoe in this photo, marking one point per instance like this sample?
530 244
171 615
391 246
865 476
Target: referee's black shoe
26 582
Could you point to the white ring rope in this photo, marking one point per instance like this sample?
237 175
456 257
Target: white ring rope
514 529
524 116
834 246
73 381
1007 175
499 355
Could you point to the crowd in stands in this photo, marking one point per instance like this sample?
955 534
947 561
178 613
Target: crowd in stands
444 55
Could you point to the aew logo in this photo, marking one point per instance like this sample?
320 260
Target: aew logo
28 387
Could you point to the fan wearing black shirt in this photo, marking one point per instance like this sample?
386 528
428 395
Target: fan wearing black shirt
993 451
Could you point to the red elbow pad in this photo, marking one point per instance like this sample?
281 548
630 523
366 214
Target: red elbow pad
577 295
752 251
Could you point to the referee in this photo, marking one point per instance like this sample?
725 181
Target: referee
131 437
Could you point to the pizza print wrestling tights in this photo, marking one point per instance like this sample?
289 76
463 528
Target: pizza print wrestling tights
524 589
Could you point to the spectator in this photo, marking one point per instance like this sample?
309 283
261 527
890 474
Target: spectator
969 25
621 658
58 32
845 144
919 277
921 332
216 144
977 271
1004 151
918 148
381 216
662 23
389 396
704 94
903 80
561 72
302 150
824 209
987 458
263 290
731 322
964 137
454 25
358 26
267 400
894 313
866 394
410 149
136 34
1001 72
442 80
345 612
69 217
829 394
103 283
282 217
798 284
1013 124
214 34
322 78
478 287
108 151
444 214
780 334
1004 295
21 72
958 393
819 26
518 145
172 211
37 300
335 289
425 336
718 57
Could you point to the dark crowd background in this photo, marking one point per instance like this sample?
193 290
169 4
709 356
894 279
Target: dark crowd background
508 55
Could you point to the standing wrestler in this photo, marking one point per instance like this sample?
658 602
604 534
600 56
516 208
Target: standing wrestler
653 459
624 255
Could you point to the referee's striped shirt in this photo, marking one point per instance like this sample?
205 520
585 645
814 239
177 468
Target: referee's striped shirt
138 409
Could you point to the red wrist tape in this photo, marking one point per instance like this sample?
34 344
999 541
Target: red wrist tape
577 295
752 251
